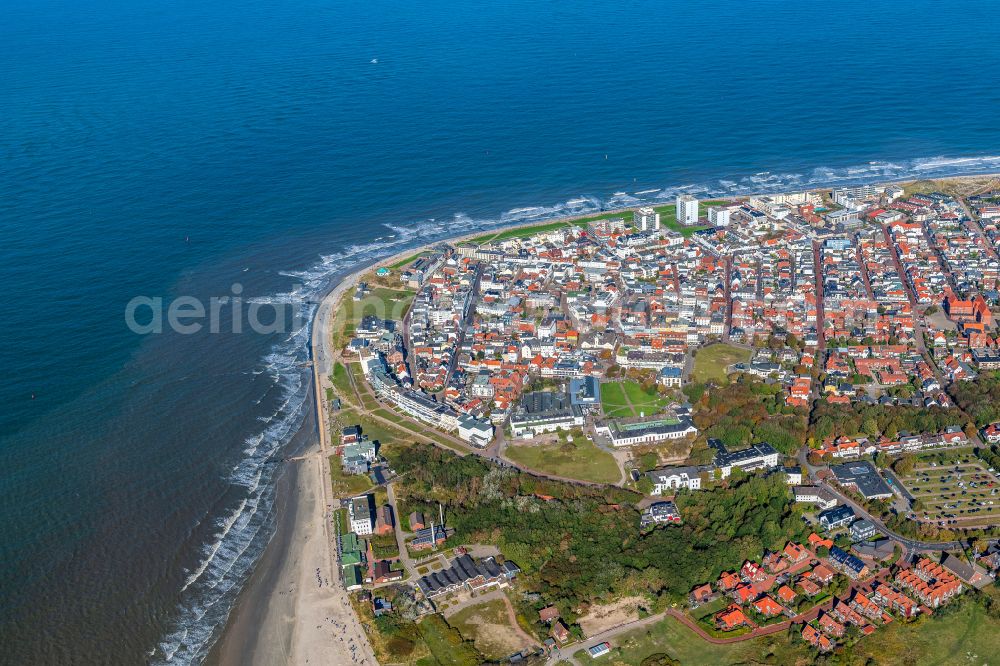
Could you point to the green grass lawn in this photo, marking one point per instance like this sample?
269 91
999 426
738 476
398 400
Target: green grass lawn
710 608
446 644
585 461
668 218
963 635
402 262
341 518
642 401
342 382
367 398
374 429
524 232
625 399
967 635
347 484
710 363
382 302
613 400
670 637
385 547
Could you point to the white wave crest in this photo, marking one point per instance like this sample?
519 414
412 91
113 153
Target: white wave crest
225 560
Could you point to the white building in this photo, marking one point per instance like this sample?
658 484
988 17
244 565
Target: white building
687 210
646 219
477 432
545 411
759 456
793 475
622 433
674 478
360 510
719 216
893 192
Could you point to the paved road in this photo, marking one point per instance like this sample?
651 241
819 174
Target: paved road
357 645
976 229
820 314
918 326
566 651
404 555
913 544
436 437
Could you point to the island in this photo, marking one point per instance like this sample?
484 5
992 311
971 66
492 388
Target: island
756 429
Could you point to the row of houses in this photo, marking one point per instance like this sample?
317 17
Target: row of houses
466 573
855 447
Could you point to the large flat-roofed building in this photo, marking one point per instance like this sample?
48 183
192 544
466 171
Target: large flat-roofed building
719 216
630 432
585 391
646 219
362 511
477 432
660 513
863 477
545 411
759 456
687 210
986 359
821 497
414 403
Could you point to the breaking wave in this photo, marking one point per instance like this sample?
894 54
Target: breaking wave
211 587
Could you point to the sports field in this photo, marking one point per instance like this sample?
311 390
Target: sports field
627 398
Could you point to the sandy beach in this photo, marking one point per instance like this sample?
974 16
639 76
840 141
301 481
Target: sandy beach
294 609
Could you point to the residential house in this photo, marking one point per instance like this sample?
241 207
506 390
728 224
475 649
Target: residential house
384 522
728 581
701 594
840 516
786 594
862 530
812 636
821 574
768 607
752 572
853 566
382 572
416 520
731 618
560 632
795 552
830 626
548 614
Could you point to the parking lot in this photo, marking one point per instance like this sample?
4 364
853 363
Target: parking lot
956 489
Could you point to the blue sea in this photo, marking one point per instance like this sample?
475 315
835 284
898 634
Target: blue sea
166 149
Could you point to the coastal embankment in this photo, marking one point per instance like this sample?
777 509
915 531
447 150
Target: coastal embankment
294 609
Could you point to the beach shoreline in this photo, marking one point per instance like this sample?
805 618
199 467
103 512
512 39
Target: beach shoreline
281 615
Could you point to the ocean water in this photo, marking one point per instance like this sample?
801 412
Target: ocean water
165 149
